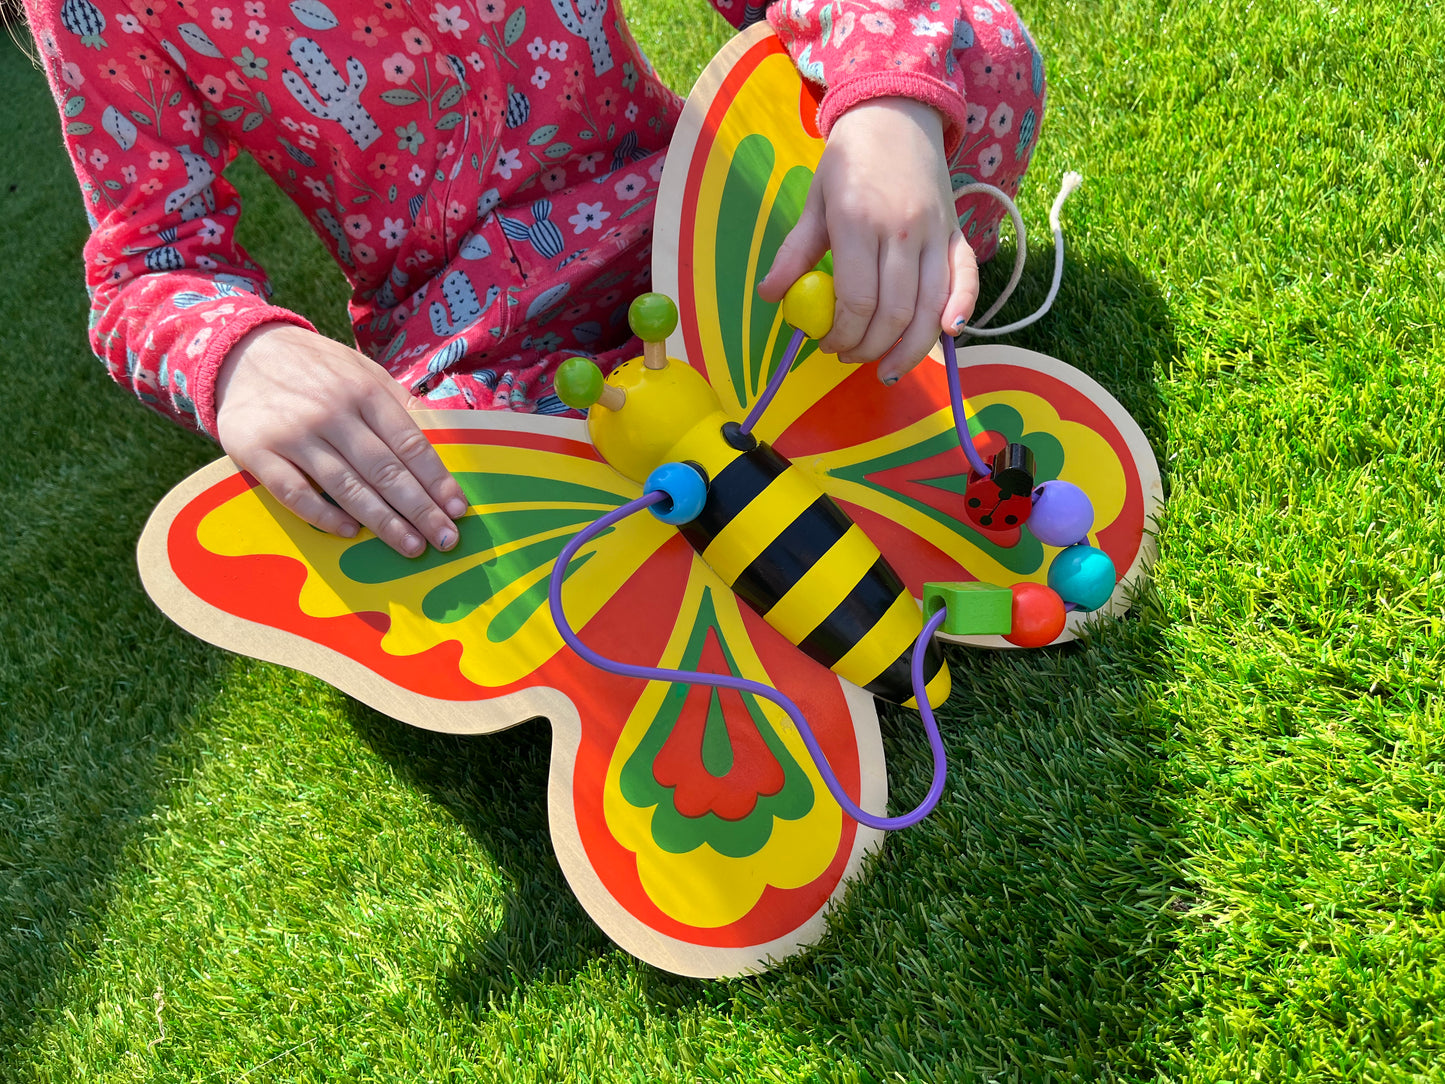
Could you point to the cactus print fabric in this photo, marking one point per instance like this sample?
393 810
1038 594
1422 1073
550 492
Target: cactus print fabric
482 170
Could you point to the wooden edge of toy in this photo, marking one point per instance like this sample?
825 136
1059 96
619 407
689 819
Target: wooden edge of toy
669 953
269 644
669 204
1132 579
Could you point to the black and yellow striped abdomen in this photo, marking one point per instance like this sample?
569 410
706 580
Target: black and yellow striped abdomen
794 556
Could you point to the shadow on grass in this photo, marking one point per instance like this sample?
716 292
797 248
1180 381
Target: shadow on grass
1015 932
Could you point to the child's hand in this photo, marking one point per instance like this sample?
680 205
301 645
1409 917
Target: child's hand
294 407
881 200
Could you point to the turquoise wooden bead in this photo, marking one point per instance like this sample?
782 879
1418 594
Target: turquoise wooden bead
1083 575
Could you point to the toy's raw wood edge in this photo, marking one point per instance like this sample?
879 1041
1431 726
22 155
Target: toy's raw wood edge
670 954
232 633
666 231
1136 575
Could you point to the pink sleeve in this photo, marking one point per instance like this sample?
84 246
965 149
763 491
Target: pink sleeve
902 48
171 290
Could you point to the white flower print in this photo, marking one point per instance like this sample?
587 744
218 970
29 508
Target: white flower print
221 18
315 187
1002 121
191 119
540 77
508 162
257 32
1006 36
449 20
589 216
98 159
588 162
982 14
989 160
557 50
630 187
393 232
129 23
211 231
536 48
417 174
631 111
923 27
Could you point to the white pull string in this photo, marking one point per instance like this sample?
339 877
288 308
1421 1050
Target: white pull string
1069 184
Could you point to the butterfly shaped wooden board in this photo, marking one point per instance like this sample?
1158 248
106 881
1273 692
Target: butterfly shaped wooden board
692 824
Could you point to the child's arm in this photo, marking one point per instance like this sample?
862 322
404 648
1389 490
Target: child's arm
179 312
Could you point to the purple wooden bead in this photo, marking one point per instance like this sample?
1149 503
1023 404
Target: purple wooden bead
1062 514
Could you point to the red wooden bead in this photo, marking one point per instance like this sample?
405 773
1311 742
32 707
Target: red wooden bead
1038 615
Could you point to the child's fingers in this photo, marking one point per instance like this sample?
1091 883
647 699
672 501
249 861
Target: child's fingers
855 283
393 423
349 485
963 289
296 493
922 331
378 468
800 251
898 286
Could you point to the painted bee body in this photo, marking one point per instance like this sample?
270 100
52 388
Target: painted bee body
792 554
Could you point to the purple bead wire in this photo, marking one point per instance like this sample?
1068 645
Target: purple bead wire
955 396
744 685
784 367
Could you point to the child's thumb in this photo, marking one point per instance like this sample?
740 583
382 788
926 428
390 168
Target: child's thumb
800 251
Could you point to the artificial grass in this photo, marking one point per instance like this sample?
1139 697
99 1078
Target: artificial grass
1205 845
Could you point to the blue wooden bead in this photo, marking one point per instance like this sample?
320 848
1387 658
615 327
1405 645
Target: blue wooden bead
1083 575
1062 515
685 488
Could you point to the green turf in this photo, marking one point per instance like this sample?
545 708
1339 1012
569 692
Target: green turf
1207 845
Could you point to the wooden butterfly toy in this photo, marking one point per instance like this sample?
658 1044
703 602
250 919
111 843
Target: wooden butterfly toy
703 585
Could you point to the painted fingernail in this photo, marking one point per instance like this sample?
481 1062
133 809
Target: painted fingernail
889 381
446 540
959 323
456 507
412 545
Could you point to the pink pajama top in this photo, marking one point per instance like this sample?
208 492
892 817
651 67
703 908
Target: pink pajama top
482 170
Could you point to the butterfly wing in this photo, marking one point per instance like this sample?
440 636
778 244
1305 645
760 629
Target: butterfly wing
692 824
738 172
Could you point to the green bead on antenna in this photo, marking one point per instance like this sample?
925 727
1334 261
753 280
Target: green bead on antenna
578 383
653 317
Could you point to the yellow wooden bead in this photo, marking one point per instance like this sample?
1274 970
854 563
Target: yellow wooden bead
808 305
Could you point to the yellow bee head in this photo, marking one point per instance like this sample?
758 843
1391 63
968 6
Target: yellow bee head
651 403
648 403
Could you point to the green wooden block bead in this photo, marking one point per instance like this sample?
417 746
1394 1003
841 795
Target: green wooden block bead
974 609
653 317
578 382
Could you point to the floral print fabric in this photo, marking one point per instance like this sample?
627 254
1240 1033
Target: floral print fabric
483 171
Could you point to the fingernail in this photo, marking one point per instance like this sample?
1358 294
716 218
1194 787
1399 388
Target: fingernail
959 323
348 530
889 381
446 540
412 545
456 507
